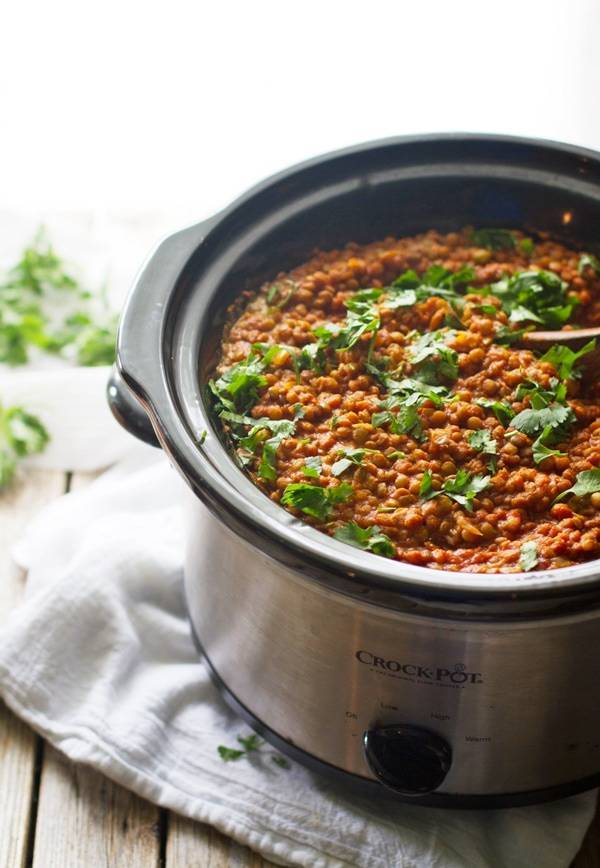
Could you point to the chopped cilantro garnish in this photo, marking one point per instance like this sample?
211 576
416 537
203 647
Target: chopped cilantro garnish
462 488
564 358
369 539
507 336
347 459
433 357
586 482
586 260
314 500
405 421
535 296
238 388
494 239
548 409
482 441
541 447
529 556
409 288
503 412
283 291
527 246
313 466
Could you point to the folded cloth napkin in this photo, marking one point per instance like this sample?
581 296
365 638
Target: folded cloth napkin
100 660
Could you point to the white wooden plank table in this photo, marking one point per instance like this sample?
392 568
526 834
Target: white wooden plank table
57 814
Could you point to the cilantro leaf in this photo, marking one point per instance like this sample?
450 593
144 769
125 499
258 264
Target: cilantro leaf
21 434
405 421
541 449
283 290
482 441
30 295
238 388
586 482
430 353
533 422
564 358
369 539
527 246
494 239
540 296
586 260
529 556
409 288
503 412
347 459
250 744
313 466
314 500
462 488
229 754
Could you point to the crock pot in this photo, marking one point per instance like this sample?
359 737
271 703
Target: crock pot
447 689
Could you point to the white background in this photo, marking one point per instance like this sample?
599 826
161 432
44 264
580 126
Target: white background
172 108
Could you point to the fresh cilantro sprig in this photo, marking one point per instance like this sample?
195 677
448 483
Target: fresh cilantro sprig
482 441
433 358
494 239
314 500
564 359
586 482
541 447
238 389
503 412
313 467
250 744
535 297
21 434
462 488
348 458
408 289
548 408
529 556
370 539
586 260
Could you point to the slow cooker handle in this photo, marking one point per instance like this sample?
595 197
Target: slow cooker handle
127 409
136 390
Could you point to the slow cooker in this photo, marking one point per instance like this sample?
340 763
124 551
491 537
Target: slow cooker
447 689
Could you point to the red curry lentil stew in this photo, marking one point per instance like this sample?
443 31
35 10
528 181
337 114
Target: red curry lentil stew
378 392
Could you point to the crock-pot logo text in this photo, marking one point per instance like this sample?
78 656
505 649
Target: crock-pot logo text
455 675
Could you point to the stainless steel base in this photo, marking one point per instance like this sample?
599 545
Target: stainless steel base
518 702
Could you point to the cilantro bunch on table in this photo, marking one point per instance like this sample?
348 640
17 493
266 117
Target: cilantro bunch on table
44 306
21 434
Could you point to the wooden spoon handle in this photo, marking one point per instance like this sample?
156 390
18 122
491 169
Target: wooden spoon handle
574 339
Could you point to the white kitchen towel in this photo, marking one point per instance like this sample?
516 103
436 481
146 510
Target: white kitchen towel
100 660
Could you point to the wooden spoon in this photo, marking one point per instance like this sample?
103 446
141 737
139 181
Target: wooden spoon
572 338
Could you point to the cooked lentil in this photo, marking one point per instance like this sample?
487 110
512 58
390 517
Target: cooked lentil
412 469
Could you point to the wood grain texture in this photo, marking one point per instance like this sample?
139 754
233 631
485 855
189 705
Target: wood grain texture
86 820
18 743
194 845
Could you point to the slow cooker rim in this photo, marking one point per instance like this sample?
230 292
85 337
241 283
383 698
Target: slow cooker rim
207 478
